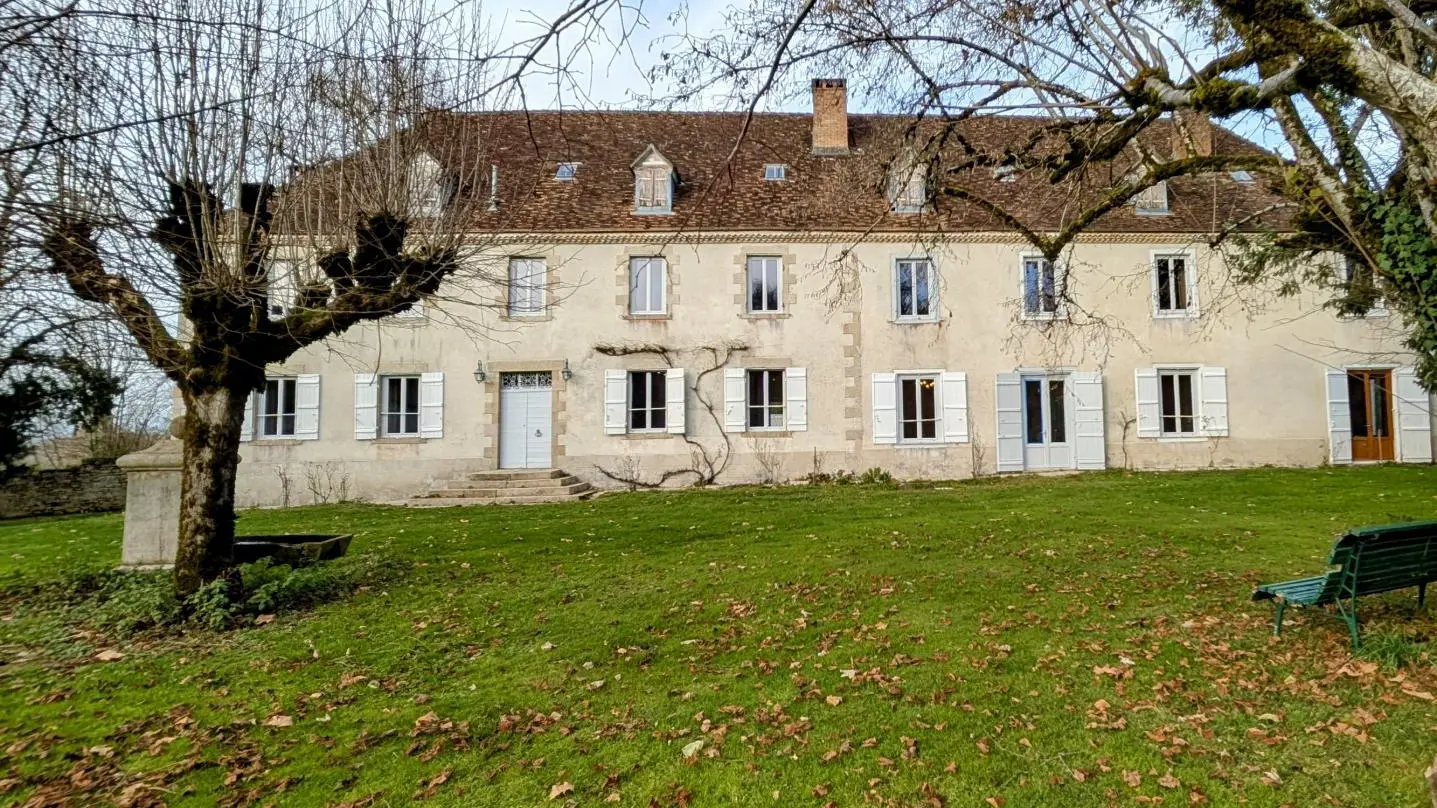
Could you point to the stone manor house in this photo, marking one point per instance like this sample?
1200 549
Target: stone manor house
650 308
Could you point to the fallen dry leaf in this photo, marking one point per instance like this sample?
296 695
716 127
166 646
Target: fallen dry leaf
279 721
109 655
1132 778
1168 781
560 789
834 701
264 619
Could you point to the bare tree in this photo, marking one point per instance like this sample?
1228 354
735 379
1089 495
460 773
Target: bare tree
198 142
1348 89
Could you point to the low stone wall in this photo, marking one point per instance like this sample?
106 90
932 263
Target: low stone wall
90 488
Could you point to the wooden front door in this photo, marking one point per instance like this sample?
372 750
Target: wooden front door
1369 398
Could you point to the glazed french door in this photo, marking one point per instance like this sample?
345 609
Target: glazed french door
1369 399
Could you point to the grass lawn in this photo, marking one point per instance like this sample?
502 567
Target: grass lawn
1076 641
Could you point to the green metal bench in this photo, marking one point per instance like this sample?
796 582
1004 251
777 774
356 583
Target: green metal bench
1365 561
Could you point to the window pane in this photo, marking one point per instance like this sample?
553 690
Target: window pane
1179 284
411 395
391 424
656 284
1380 408
658 419
755 417
286 424
1185 395
905 289
927 405
770 280
411 424
1050 288
755 387
657 392
1165 301
394 392
271 397
775 387
1168 396
1357 403
1030 287
638 391
1033 405
1057 408
755 284
921 273
929 429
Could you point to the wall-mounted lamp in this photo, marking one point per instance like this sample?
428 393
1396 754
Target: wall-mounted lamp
566 373
479 374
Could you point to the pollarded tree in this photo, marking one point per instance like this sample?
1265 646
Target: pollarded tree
1348 87
187 135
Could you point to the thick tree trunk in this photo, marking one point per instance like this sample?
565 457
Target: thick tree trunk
213 420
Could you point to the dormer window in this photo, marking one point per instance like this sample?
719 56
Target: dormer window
908 187
775 172
1152 201
653 183
428 188
566 172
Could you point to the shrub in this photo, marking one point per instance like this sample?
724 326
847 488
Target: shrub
875 476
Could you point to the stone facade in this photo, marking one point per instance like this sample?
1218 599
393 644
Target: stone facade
89 488
843 330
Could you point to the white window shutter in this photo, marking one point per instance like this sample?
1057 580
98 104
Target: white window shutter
735 400
247 428
1090 447
366 406
674 400
1212 386
1009 404
616 402
1145 382
885 408
953 387
431 405
1339 418
306 407
796 390
1414 417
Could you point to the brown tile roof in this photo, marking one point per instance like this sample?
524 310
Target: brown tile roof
843 193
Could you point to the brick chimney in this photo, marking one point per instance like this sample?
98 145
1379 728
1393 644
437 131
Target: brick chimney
1191 130
830 116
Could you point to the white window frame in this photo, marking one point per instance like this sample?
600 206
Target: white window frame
1194 374
1189 282
287 397
1059 286
932 272
1153 200
761 261
567 171
641 294
769 409
775 172
527 293
409 403
662 407
917 377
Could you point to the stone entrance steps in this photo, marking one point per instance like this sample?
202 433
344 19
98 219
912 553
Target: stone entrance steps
507 486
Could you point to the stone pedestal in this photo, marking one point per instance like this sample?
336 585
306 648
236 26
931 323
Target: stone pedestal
152 505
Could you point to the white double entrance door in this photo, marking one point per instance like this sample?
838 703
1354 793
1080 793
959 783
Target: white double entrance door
526 420
1047 422
1050 420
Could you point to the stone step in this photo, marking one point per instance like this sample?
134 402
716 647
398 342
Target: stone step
444 502
516 474
454 491
537 482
